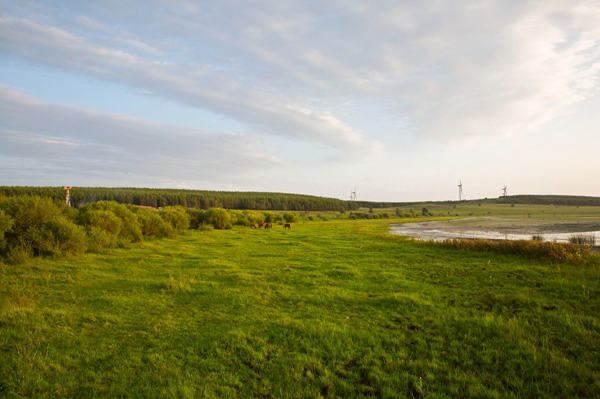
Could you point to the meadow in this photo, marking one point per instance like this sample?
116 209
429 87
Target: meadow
336 308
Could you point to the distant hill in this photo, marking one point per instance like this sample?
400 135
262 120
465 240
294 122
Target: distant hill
259 200
550 200
188 198
510 199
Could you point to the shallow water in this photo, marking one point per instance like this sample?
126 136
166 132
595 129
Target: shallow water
439 231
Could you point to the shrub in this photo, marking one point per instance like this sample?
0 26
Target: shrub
238 218
219 218
39 226
153 224
5 225
196 217
177 217
130 231
99 238
269 217
255 217
102 226
290 217
537 237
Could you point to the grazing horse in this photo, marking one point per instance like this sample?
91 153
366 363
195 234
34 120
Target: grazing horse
287 226
252 226
260 226
268 225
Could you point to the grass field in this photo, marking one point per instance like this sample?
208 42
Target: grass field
329 309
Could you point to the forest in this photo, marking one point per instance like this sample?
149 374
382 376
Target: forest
158 198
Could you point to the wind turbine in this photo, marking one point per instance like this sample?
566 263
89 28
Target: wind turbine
504 191
353 195
460 190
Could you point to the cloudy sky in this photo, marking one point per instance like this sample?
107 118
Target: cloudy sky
399 99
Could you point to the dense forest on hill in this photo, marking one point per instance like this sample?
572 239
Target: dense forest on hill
259 200
188 198
573 200
550 200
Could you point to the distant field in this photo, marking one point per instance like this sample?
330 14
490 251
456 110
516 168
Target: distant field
329 309
537 213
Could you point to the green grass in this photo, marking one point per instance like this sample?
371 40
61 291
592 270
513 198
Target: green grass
331 309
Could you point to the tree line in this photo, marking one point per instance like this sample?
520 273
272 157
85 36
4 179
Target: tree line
200 199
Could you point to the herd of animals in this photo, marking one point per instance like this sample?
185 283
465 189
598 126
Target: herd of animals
269 226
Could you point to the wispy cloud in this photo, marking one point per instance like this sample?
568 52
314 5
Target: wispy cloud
478 69
316 81
197 86
83 143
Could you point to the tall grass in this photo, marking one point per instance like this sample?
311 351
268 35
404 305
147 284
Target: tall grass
583 239
562 252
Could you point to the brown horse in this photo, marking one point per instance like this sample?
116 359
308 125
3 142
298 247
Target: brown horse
287 226
268 225
252 226
260 226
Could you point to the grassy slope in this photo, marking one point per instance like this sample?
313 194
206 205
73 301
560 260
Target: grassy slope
332 309
524 213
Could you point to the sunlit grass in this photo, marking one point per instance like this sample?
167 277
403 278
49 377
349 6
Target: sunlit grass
330 309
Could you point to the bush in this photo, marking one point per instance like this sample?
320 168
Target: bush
269 217
290 217
196 217
39 226
177 217
130 231
99 238
255 217
219 218
153 224
60 236
103 228
238 218
5 225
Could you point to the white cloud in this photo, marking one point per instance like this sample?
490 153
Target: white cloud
474 69
482 69
197 86
84 143
342 74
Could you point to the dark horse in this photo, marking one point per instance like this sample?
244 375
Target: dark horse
268 225
287 226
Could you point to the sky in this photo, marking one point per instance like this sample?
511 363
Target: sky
400 100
